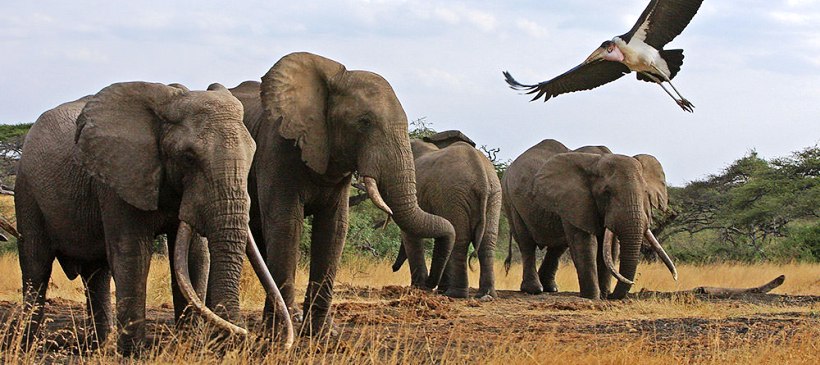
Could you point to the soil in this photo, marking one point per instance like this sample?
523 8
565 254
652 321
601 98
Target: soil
434 321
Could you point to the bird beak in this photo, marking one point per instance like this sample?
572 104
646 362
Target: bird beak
596 56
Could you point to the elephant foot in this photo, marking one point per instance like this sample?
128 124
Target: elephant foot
614 296
530 288
130 349
457 292
322 329
486 294
551 288
296 316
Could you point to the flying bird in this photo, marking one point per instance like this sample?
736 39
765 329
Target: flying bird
640 50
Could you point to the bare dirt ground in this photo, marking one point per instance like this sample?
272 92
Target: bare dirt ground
397 324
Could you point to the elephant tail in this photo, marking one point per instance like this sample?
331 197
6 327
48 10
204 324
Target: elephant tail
508 260
481 227
510 217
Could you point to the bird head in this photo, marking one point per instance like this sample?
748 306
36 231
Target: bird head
608 51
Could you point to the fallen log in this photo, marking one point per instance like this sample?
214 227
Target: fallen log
720 291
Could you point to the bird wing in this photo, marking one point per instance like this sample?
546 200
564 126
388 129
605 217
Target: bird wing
662 21
585 76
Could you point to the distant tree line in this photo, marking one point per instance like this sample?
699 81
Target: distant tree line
753 210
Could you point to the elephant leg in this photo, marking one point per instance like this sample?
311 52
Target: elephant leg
281 244
530 283
129 261
128 240
198 268
97 283
418 272
327 242
486 260
583 248
549 266
36 259
456 285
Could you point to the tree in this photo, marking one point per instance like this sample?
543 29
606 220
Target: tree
12 137
751 204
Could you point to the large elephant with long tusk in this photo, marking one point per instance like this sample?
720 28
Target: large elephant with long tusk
101 176
587 201
315 123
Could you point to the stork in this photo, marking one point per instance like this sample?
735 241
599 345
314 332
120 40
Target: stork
640 50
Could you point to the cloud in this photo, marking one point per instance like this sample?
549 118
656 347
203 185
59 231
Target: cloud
532 28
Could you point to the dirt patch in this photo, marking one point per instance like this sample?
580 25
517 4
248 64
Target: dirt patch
400 317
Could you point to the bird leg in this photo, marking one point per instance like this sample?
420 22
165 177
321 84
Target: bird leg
685 104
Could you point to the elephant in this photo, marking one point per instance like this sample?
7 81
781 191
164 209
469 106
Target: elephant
102 176
456 181
315 124
583 201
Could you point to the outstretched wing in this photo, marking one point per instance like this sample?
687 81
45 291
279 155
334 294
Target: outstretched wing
585 76
662 21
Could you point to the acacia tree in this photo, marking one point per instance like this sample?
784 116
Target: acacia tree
751 203
11 148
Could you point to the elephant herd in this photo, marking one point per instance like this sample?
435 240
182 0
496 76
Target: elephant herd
230 173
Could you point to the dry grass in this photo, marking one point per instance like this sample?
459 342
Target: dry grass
539 328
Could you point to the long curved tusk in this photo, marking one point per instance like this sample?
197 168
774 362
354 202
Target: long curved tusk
608 237
666 260
373 193
184 280
271 289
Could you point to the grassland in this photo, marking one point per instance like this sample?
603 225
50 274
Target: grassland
383 322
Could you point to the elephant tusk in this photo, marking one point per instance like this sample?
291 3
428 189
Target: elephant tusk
659 249
373 193
184 280
608 237
269 284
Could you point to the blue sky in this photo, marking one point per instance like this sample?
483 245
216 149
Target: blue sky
752 68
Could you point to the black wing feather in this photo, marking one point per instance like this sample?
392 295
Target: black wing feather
582 77
666 20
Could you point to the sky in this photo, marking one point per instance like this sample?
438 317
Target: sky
752 67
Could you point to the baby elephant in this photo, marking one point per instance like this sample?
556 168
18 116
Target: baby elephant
583 200
459 183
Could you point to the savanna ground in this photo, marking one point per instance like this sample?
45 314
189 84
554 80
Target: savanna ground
382 321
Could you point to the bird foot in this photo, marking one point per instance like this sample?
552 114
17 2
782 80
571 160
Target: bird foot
686 105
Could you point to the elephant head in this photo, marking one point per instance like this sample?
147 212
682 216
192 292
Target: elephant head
345 121
607 195
167 148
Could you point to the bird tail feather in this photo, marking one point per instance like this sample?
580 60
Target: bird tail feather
515 85
674 60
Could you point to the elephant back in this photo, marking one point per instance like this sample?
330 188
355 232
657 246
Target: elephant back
446 138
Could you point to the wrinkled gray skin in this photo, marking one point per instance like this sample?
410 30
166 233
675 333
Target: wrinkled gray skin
146 156
459 183
315 123
559 199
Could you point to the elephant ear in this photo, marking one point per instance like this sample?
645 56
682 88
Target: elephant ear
117 138
446 138
296 91
655 181
565 180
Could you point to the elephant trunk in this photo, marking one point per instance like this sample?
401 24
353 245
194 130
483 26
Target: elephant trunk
227 248
183 278
397 183
631 235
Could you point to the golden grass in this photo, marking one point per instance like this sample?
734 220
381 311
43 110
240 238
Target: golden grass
801 279
404 344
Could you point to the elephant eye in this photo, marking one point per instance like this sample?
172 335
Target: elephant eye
365 122
188 158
